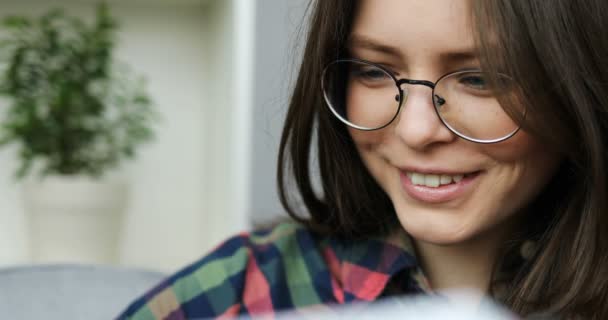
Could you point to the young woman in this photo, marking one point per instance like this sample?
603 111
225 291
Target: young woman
460 144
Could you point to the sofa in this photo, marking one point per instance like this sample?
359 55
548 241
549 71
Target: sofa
70 291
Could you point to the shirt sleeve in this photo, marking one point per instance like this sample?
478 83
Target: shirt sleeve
211 287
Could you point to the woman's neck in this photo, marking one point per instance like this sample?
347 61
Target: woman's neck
456 266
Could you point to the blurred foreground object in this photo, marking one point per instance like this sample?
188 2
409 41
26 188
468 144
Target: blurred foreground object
70 291
454 305
74 116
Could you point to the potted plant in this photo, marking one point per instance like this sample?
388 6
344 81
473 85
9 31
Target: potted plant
74 115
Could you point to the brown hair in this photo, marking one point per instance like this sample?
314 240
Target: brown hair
558 53
351 203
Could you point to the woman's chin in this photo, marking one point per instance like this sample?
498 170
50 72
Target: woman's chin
439 237
430 230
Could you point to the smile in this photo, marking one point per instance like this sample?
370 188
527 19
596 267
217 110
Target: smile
435 180
437 188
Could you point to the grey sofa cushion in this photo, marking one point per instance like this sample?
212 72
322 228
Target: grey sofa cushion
70 291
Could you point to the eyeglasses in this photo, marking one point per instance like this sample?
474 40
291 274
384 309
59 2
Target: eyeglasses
367 96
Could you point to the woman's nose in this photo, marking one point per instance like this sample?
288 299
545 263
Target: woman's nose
418 124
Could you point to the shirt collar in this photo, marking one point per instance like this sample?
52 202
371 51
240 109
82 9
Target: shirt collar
363 268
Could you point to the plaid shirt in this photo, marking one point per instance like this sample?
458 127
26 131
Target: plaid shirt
284 268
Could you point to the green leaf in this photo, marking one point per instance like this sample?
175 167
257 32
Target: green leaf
16 22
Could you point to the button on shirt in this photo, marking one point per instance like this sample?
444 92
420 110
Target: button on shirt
284 268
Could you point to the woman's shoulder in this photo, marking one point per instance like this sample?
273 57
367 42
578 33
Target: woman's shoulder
244 271
287 266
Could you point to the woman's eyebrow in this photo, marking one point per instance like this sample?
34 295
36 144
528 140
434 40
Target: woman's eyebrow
357 41
458 55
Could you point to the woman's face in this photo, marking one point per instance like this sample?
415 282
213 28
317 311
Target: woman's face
424 40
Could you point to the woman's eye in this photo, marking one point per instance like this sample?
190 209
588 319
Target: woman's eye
370 74
474 81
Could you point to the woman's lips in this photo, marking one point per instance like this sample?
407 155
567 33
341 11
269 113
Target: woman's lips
442 193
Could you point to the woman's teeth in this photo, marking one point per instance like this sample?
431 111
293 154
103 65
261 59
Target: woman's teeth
433 180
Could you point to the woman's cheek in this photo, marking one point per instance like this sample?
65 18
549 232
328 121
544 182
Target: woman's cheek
515 148
366 140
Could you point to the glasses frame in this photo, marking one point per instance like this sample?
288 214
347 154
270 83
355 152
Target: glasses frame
398 84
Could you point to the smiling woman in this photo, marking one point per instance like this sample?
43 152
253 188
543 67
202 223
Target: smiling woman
407 156
460 145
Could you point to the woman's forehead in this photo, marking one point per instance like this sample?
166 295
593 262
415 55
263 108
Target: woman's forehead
409 28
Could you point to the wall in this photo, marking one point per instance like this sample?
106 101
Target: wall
280 34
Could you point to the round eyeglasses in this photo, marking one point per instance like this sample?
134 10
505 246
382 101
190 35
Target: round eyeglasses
367 96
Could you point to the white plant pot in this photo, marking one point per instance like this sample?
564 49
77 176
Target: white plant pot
75 219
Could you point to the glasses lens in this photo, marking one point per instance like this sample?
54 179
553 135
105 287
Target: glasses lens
362 95
468 103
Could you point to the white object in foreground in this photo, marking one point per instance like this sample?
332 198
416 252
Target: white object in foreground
452 305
